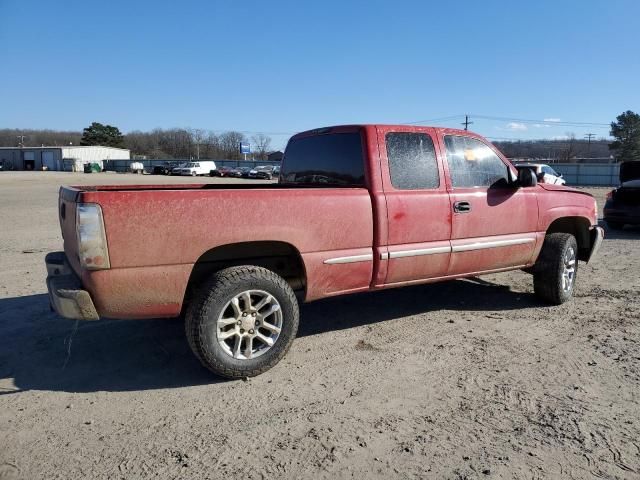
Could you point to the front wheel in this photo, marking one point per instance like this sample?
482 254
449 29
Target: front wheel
555 271
242 321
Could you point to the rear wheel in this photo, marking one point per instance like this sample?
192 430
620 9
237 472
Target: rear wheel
615 225
242 321
555 271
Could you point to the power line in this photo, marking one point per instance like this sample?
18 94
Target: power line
441 119
564 123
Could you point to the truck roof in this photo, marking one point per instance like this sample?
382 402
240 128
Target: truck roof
352 127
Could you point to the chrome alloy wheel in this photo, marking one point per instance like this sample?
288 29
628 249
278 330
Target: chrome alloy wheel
569 269
249 324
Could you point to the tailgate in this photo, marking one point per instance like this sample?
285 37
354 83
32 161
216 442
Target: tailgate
67 200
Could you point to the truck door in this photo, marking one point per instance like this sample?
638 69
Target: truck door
418 207
494 223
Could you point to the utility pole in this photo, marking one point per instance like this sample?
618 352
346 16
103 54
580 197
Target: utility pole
589 136
466 122
21 142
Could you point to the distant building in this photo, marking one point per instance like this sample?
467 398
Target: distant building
70 158
275 156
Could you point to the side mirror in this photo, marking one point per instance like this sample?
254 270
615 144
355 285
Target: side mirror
526 178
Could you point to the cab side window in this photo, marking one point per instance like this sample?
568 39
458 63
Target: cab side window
472 163
412 161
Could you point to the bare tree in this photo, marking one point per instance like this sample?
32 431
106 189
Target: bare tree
261 143
230 144
198 137
569 153
211 146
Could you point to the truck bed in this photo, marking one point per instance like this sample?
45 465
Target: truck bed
156 233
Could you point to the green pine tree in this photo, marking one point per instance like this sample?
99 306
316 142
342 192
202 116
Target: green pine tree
626 131
99 134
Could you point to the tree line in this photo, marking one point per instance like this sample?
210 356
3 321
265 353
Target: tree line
566 150
160 143
187 143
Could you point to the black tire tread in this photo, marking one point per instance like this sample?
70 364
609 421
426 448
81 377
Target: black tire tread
198 309
547 276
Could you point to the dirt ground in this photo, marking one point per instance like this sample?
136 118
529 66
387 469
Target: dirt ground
464 379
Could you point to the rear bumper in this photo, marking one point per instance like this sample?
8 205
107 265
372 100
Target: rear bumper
597 235
66 295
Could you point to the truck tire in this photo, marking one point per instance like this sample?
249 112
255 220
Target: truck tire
555 271
242 321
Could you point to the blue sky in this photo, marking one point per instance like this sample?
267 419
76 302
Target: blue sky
284 66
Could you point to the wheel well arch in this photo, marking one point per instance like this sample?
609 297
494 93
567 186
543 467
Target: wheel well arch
279 257
579 228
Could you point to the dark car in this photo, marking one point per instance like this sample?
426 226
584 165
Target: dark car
623 203
223 172
164 169
244 172
262 172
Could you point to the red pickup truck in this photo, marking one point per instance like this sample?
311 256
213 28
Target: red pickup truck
356 208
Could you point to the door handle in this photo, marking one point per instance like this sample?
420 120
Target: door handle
461 207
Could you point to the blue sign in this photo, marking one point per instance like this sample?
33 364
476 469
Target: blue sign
245 148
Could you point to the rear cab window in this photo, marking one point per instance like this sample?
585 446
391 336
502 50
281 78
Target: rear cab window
412 161
324 159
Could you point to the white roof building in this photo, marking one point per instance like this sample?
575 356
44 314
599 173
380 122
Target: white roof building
69 158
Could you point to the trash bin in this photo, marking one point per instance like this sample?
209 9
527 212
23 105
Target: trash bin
87 168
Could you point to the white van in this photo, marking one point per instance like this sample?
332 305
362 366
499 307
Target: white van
197 168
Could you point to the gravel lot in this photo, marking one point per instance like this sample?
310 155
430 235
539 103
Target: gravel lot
465 379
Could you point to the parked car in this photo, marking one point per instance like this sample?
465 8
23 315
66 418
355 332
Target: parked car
392 209
201 167
222 172
244 172
276 171
177 169
543 172
623 203
262 172
165 168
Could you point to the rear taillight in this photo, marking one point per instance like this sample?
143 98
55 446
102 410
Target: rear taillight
92 241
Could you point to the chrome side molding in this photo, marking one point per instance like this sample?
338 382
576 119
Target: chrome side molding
467 247
420 251
351 259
